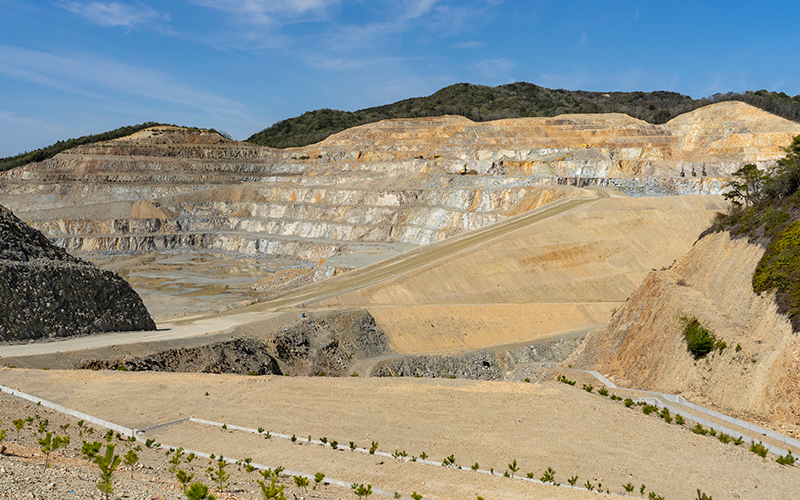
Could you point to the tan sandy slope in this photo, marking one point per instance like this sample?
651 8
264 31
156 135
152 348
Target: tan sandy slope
562 274
643 345
491 423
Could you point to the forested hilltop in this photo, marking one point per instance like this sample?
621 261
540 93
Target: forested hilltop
42 154
481 103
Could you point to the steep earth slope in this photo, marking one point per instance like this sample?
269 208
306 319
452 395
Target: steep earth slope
563 274
44 292
756 375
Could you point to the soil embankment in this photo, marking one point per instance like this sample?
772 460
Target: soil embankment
757 374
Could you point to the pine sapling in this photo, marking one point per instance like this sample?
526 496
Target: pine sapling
107 464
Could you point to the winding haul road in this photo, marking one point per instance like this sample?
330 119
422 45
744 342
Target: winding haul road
205 324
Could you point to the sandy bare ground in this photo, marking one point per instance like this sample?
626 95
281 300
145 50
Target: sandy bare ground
489 423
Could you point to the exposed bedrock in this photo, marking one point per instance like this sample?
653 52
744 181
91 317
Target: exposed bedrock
410 181
324 344
46 293
486 364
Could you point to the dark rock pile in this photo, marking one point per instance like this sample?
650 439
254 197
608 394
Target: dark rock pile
47 293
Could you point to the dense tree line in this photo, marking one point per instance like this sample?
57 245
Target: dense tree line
765 207
515 100
52 150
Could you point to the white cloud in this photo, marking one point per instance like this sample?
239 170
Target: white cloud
470 45
268 11
113 13
104 80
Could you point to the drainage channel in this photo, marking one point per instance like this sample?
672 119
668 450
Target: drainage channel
676 404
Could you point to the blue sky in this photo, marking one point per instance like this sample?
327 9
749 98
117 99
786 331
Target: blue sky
75 67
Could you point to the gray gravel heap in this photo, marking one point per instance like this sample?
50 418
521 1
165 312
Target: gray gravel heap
47 293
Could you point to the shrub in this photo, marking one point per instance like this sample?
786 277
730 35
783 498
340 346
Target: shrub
271 490
199 491
563 379
602 391
184 478
699 340
318 477
361 490
416 496
724 438
698 429
628 402
679 419
648 409
301 482
759 449
787 459
218 475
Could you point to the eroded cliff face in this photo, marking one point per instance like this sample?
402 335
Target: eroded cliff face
409 181
756 375
45 293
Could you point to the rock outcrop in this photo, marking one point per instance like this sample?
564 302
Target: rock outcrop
46 293
756 375
412 181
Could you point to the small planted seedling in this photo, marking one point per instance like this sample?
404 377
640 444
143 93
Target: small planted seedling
260 430
628 488
549 476
702 496
572 481
416 496
324 440
787 459
361 490
602 391
373 448
738 441
352 446
423 455
301 482
648 409
679 419
589 486
588 387
334 444
759 449
184 478
107 464
513 467
475 466
50 444
218 475
294 438
271 490
698 429
318 477
724 438
130 460
628 402
449 461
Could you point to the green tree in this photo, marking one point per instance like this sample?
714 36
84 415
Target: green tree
199 491
271 490
130 460
107 464
184 478
50 444
747 186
